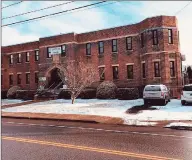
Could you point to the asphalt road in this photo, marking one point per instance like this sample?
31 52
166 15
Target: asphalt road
24 139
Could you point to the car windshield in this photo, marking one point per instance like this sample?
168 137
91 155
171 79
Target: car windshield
187 88
153 88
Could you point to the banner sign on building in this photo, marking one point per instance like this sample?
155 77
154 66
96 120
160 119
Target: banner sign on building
55 50
42 78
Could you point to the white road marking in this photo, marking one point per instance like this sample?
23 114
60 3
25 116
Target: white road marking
100 129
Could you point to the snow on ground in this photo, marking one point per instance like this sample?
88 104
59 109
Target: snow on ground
10 101
178 124
113 108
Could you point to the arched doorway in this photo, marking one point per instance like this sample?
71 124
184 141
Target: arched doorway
54 79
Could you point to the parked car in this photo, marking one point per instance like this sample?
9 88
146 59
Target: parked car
186 94
156 93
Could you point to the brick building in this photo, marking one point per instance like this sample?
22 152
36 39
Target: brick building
131 56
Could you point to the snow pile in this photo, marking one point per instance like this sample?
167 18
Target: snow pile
179 124
10 101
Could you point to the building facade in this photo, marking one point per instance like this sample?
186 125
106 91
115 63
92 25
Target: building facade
132 56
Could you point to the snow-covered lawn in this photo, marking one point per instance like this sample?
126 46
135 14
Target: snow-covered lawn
114 108
10 101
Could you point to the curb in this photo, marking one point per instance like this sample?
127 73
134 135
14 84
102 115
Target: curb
66 117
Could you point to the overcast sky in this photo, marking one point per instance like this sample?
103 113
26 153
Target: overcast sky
110 14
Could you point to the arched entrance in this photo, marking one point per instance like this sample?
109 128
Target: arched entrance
54 80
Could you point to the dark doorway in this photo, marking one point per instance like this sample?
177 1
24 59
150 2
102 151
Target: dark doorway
55 80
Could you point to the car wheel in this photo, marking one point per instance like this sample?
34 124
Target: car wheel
164 102
183 102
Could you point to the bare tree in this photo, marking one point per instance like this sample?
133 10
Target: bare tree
77 75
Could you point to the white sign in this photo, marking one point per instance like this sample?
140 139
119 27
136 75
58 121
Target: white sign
55 50
42 78
64 86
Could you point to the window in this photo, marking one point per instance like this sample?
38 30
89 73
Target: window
48 52
156 69
172 69
27 78
143 67
142 39
36 77
155 37
101 47
129 71
115 72
102 73
11 59
19 58
18 78
129 43
114 45
10 79
170 36
37 55
63 50
88 49
27 57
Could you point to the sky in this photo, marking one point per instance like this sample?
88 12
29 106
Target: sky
105 15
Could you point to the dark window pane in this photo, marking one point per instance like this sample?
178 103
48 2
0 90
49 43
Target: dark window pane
10 79
88 49
170 36
36 55
102 73
156 69
114 45
101 47
63 50
27 78
172 69
143 67
129 43
115 72
129 71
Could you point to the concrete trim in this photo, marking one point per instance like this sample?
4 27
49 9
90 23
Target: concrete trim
171 59
113 65
127 64
10 73
19 72
57 44
156 60
20 51
101 66
143 62
27 72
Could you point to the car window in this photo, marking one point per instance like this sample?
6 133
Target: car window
153 88
187 88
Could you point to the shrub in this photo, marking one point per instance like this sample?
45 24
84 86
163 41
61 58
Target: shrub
4 94
88 93
12 92
25 94
106 90
127 93
64 94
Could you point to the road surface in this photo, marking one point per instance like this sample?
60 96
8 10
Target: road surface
24 139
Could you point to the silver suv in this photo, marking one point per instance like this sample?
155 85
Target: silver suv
156 93
186 95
